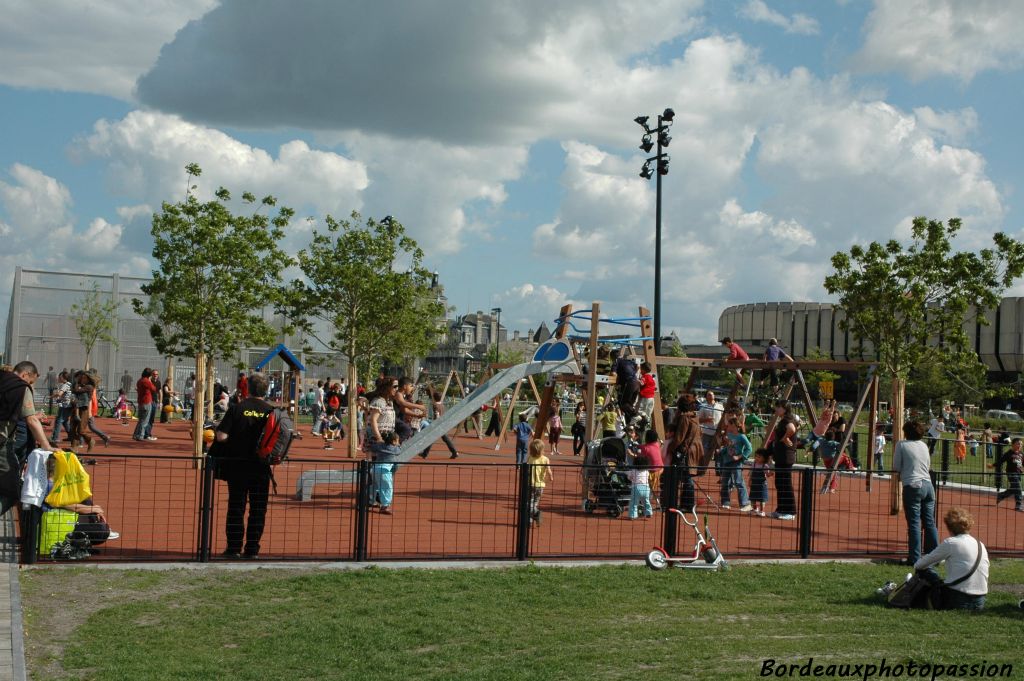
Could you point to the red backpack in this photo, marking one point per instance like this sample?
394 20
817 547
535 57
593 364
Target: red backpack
276 437
334 401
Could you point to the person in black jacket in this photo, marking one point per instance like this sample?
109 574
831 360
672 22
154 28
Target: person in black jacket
248 478
16 404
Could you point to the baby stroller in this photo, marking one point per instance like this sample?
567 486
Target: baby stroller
605 485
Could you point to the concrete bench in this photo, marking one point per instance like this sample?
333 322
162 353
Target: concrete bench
309 479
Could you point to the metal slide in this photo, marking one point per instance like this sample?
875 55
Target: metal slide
554 356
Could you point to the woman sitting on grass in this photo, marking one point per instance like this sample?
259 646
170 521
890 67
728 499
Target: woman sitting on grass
967 564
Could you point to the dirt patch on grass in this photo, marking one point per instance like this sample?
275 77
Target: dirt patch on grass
58 600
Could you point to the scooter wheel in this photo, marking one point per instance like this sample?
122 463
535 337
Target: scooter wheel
656 560
615 511
588 506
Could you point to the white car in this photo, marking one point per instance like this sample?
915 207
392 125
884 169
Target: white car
1002 415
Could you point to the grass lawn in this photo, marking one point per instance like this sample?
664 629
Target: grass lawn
613 622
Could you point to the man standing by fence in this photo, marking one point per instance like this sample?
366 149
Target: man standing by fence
248 478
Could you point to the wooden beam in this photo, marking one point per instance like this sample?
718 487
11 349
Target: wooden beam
808 402
549 390
651 357
508 415
805 365
849 431
533 387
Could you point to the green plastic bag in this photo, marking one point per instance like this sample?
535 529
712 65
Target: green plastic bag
54 527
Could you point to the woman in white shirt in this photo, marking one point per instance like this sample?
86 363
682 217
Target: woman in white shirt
912 461
964 587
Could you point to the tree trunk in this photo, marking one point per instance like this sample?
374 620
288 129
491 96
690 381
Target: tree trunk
208 389
353 419
899 390
197 408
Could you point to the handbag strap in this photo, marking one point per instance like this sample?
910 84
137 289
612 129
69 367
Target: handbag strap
977 562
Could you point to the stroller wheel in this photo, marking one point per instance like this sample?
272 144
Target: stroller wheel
615 511
588 506
656 560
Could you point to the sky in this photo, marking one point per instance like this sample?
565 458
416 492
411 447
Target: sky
502 136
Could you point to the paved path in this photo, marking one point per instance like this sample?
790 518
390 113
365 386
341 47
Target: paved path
12 640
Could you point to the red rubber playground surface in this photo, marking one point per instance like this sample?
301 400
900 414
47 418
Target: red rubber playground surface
467 509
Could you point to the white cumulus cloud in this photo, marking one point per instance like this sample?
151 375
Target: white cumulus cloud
758 10
926 38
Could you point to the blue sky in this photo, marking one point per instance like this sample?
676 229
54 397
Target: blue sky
501 134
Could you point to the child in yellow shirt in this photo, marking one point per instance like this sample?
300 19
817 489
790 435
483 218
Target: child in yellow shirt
540 471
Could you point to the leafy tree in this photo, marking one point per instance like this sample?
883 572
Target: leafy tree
95 317
672 379
216 271
907 303
366 283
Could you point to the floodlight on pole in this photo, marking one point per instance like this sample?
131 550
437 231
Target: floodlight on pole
662 161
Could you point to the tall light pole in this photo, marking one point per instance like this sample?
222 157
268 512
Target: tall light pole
497 334
664 122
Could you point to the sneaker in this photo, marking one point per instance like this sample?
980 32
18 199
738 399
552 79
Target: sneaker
231 555
1000 497
386 510
760 514
151 438
886 589
783 516
747 508
728 506
114 535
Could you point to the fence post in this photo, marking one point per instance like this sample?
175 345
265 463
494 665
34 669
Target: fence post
363 473
806 510
855 448
31 519
670 499
945 462
523 512
206 510
999 465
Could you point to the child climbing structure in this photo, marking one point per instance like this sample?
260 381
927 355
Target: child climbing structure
572 355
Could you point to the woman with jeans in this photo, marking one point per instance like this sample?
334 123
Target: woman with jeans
965 586
62 397
911 461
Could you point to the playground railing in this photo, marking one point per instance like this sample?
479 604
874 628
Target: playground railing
166 508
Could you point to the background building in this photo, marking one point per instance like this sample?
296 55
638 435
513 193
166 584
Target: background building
40 328
802 327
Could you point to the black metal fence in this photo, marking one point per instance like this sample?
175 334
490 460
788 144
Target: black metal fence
168 509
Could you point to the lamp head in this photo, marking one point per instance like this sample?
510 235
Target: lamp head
645 172
646 144
642 120
668 115
663 166
664 138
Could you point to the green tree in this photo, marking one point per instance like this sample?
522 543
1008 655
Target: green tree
95 317
672 379
367 284
907 303
216 271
